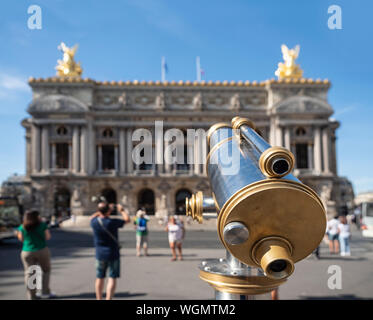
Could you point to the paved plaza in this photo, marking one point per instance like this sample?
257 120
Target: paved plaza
156 277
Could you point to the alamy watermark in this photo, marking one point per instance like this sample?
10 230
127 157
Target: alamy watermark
335 280
34 21
175 146
335 19
34 279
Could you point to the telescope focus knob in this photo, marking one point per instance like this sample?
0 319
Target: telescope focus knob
193 206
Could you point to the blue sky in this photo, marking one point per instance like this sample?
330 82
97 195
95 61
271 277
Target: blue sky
236 40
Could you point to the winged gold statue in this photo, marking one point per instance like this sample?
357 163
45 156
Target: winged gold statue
289 69
67 67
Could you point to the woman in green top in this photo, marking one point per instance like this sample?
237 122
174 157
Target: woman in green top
35 255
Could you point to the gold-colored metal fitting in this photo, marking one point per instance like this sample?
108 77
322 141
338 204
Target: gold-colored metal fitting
275 207
215 127
248 285
237 122
273 255
194 206
276 162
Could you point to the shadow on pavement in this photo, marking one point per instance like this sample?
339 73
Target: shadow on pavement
63 243
91 295
13 283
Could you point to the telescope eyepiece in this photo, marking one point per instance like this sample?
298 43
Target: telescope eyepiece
280 166
273 255
276 162
277 265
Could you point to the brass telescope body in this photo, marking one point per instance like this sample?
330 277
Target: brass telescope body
266 217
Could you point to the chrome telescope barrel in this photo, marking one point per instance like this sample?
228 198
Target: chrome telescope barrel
273 161
264 216
248 132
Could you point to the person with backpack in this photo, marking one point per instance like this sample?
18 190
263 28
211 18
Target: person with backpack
34 233
141 222
105 231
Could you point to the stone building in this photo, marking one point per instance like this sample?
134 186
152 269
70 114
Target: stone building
79 137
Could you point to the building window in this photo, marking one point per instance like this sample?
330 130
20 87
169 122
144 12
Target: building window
110 195
107 133
180 197
62 155
61 131
301 154
300 131
145 200
108 157
62 203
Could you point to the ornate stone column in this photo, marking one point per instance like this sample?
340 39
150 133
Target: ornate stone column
326 149
310 155
83 151
159 149
70 157
317 150
76 151
35 138
122 151
45 149
54 162
116 158
190 156
287 138
279 139
129 152
167 166
99 157
196 154
91 150
272 132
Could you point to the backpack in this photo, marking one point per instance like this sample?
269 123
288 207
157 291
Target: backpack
141 224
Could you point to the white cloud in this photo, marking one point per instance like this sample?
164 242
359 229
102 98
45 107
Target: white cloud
10 82
344 110
11 86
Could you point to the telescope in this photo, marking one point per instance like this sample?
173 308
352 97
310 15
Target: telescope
267 219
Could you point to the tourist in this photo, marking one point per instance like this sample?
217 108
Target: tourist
33 233
333 235
105 230
344 236
176 234
141 222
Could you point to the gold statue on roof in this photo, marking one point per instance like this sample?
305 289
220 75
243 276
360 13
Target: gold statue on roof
67 67
289 69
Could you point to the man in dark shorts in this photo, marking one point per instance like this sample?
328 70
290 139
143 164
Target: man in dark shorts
105 231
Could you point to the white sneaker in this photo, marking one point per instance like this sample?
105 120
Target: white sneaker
343 254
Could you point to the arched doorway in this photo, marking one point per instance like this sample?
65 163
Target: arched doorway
62 203
180 200
146 200
110 195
